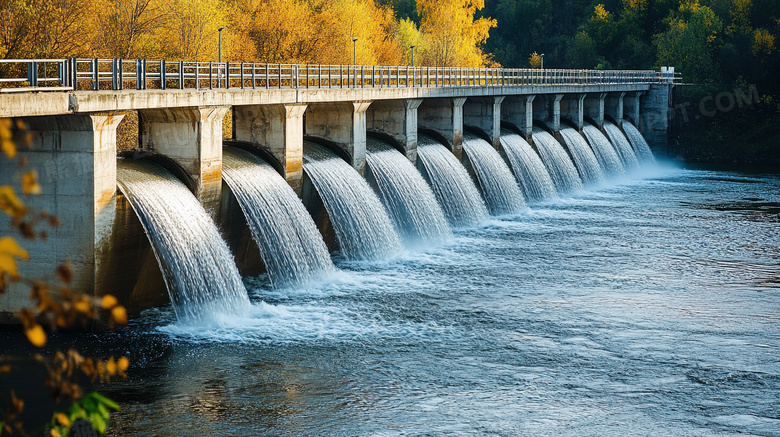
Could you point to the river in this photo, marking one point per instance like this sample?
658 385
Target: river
646 307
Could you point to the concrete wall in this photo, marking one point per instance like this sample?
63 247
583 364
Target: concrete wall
75 157
397 118
654 119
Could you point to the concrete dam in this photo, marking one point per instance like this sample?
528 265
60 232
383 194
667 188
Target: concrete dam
362 161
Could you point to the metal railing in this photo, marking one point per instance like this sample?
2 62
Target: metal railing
141 74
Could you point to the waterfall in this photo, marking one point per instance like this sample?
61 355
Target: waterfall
499 187
451 184
405 194
289 242
583 156
557 161
605 153
199 271
529 169
638 141
622 146
362 226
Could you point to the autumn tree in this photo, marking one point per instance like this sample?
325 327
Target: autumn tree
119 26
452 36
689 42
43 28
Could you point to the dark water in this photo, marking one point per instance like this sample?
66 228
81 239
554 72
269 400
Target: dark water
650 307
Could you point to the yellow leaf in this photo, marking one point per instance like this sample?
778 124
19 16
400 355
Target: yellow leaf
119 313
54 433
123 363
9 251
82 306
111 366
9 203
36 335
30 183
63 420
108 302
6 145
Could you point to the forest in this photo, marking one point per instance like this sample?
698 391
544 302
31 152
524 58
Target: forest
717 45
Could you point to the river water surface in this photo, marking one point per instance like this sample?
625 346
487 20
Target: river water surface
648 307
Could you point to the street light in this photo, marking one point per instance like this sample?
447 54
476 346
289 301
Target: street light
219 59
542 66
412 47
354 51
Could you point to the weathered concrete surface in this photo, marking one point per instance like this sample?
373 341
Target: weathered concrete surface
65 102
519 111
193 138
654 121
594 108
343 123
572 108
74 156
279 130
397 118
444 116
613 106
485 113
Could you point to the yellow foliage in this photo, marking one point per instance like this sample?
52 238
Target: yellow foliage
108 301
36 335
119 314
601 12
535 60
9 252
62 419
6 144
763 43
635 5
30 183
452 36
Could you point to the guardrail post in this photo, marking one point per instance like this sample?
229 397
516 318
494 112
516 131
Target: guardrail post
95 75
227 75
32 73
211 75
181 75
113 74
163 67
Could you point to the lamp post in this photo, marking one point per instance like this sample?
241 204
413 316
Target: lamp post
354 51
412 47
542 66
219 53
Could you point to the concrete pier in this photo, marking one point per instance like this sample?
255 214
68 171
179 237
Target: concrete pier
343 123
444 116
397 118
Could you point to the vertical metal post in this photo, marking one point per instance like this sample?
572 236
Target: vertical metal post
181 75
242 75
95 75
227 75
163 85
74 73
279 71
253 75
266 76
211 75
197 75
114 72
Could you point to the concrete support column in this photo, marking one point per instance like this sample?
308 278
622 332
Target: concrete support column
655 115
277 129
485 113
556 113
444 115
593 107
343 123
193 138
633 109
519 111
580 116
397 118
614 107
75 157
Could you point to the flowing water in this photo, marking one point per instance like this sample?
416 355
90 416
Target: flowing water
621 145
557 161
406 196
583 157
290 243
499 187
362 225
646 308
528 168
454 189
638 141
198 268
605 153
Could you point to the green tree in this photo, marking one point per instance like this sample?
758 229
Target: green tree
689 43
